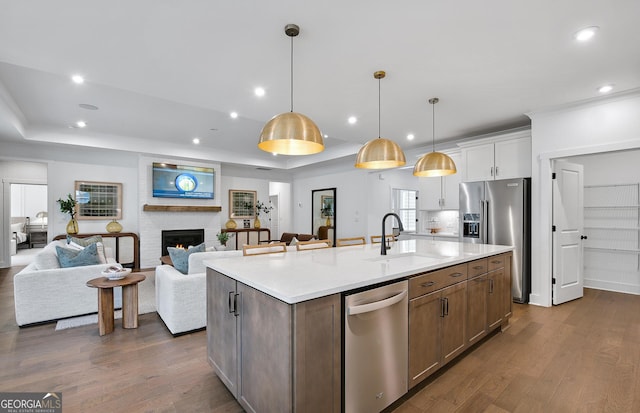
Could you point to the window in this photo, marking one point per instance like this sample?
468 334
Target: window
405 204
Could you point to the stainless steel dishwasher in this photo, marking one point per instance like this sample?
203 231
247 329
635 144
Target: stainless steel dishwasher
376 347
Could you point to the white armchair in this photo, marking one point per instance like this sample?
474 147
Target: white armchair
181 299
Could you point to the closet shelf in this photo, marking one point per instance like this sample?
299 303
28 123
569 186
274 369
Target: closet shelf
615 228
625 250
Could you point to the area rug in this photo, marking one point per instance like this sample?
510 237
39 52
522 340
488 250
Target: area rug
146 304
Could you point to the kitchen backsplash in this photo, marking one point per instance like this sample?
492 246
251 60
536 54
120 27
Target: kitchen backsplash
446 221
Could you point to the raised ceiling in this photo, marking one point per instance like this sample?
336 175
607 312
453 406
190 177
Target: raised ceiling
162 73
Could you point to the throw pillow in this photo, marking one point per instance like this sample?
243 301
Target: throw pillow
99 246
74 258
84 242
180 256
293 242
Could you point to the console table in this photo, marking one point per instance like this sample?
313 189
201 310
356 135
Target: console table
250 236
116 236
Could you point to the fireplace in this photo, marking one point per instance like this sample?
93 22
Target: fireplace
184 237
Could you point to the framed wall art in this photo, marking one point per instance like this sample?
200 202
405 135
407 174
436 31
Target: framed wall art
242 204
98 200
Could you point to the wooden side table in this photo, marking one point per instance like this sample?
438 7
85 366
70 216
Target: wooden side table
105 286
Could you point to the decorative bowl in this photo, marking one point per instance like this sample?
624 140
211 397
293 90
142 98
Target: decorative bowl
115 273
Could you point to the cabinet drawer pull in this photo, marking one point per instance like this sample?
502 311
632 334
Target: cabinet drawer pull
456 274
491 286
428 284
231 303
478 267
496 262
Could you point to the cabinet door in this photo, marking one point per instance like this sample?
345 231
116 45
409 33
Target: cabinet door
513 158
495 299
266 383
222 342
454 321
429 188
476 308
507 297
425 321
478 162
452 185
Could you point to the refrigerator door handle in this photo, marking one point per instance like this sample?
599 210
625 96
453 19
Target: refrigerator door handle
485 222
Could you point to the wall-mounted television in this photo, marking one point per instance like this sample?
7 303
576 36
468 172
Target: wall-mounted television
182 181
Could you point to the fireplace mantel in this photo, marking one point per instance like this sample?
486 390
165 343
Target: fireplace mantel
182 208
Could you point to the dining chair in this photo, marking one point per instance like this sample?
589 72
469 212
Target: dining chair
264 248
344 242
313 244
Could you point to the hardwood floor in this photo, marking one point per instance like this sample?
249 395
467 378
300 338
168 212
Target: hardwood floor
583 356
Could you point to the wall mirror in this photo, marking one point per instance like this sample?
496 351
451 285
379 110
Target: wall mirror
98 200
323 213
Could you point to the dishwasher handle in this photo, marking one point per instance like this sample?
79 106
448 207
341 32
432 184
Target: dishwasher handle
376 305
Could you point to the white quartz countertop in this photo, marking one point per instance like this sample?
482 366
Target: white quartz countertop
298 276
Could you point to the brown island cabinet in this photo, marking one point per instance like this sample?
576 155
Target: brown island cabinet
287 357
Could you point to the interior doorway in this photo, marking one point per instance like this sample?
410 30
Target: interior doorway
274 216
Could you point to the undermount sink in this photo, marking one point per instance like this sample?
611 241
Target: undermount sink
408 258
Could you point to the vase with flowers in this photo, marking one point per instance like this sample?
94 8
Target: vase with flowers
327 211
68 206
260 207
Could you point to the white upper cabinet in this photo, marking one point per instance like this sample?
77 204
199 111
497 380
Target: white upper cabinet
441 192
500 157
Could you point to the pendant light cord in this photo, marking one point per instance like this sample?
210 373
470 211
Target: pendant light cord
433 125
379 108
291 74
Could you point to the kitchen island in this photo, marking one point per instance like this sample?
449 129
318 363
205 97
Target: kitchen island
275 321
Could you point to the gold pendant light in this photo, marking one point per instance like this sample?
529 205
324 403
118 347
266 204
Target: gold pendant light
380 153
291 133
434 163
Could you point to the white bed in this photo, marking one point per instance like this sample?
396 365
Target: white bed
18 233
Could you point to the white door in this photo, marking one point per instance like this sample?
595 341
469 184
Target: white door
568 193
274 217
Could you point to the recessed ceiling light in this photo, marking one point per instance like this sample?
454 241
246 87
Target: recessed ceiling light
88 106
275 154
196 141
352 120
410 136
259 91
77 79
605 88
325 136
81 124
233 115
586 34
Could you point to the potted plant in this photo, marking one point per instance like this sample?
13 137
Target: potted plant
223 237
68 206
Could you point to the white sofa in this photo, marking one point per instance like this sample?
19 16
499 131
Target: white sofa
44 292
181 299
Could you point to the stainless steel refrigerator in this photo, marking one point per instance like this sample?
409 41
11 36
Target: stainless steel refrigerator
499 212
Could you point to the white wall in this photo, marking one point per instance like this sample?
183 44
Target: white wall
27 200
591 127
61 182
351 196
